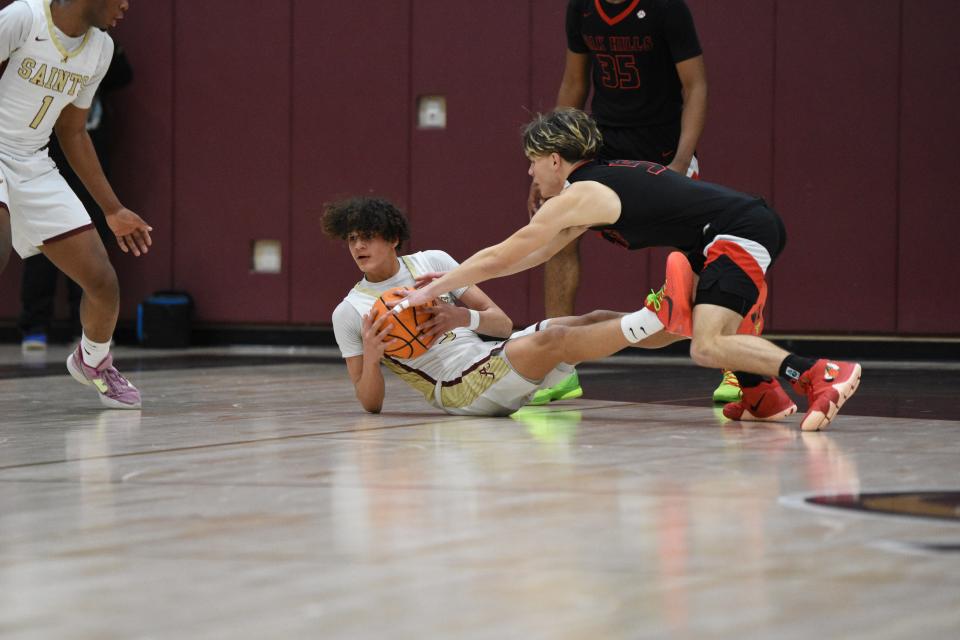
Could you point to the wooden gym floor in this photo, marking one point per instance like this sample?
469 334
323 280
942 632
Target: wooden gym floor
251 498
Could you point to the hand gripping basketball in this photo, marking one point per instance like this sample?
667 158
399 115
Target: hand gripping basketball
410 298
408 340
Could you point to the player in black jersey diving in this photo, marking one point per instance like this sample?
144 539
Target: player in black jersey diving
714 290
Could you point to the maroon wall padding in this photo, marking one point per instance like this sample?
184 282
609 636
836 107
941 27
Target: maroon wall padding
469 183
351 133
141 154
929 141
549 46
738 43
547 54
736 148
841 114
232 156
611 277
835 164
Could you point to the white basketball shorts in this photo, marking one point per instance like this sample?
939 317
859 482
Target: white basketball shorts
42 206
492 387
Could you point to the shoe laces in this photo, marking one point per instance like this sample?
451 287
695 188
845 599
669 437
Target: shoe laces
114 380
655 298
730 378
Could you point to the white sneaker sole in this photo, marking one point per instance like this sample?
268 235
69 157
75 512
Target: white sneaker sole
76 373
817 420
749 417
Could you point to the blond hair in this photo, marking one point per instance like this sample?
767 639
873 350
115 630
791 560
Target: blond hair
566 131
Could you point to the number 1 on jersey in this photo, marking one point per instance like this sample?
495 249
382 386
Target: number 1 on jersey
47 101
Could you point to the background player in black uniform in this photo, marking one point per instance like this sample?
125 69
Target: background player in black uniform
644 62
645 65
731 237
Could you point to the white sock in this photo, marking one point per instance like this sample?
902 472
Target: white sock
560 373
93 352
639 325
540 326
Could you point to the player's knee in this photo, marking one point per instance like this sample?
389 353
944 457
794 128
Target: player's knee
102 282
705 353
552 338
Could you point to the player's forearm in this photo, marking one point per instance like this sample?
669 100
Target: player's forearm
572 94
483 265
370 387
494 322
575 83
80 153
541 256
692 122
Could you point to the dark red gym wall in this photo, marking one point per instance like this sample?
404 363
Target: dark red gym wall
244 117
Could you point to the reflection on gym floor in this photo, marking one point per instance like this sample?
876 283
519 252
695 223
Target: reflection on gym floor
251 498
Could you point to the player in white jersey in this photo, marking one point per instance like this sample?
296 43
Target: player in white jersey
461 373
54 54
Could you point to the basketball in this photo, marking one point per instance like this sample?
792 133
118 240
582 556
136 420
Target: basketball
412 343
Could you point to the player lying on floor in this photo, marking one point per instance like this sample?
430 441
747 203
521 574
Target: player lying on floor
460 373
730 240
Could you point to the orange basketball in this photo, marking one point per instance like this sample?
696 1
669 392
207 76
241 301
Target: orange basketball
412 343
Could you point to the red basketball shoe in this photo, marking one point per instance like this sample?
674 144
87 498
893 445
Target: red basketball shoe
827 384
764 402
673 304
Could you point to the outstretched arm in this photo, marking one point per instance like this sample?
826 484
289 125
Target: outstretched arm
561 219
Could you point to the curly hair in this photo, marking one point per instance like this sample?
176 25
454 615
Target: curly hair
567 131
367 216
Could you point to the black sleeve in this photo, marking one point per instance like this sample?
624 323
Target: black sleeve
119 73
574 36
679 30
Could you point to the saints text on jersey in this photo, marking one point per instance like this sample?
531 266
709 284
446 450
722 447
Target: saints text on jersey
51 78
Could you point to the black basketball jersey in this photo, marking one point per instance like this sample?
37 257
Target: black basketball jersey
634 48
661 208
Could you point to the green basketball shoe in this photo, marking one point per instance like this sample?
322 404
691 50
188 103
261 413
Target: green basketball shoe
729 389
566 389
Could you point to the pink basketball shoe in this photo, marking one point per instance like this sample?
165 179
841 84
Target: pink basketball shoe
114 390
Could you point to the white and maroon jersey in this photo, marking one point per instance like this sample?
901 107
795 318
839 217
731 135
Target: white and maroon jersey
44 70
449 356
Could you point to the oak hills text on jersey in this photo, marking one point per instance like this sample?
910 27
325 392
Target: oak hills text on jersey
619 43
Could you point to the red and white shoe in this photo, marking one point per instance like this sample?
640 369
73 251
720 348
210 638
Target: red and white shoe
828 384
673 304
765 402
